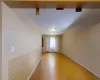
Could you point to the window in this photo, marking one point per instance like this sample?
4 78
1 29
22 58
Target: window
52 42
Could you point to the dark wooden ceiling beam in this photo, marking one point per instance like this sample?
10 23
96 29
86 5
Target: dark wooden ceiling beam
51 4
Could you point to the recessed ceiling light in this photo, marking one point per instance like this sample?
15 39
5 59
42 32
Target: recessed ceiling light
53 29
37 11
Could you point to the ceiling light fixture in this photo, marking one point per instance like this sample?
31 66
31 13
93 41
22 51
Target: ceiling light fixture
59 8
79 8
37 11
53 29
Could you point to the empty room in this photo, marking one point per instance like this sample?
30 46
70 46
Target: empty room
50 40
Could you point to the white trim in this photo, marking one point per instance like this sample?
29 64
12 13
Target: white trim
33 70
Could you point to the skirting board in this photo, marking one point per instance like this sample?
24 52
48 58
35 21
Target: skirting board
34 69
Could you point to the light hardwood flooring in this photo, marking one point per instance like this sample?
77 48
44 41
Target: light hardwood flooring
55 66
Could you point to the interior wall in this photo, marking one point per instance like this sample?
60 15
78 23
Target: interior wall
82 44
0 43
0 51
59 42
21 53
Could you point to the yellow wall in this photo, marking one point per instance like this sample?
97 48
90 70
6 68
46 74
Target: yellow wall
82 44
19 62
59 42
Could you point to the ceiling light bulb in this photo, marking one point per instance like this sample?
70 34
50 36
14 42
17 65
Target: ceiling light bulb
53 29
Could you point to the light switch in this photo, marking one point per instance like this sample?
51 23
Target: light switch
13 49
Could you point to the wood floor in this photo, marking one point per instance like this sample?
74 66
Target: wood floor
54 66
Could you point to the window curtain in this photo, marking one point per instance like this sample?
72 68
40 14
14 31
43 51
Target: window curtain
52 44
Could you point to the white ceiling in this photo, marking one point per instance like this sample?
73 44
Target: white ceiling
52 18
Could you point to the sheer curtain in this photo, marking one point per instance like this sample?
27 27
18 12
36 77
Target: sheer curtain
52 44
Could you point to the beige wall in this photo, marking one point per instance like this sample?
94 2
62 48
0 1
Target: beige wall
0 44
82 44
59 42
0 51
21 53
